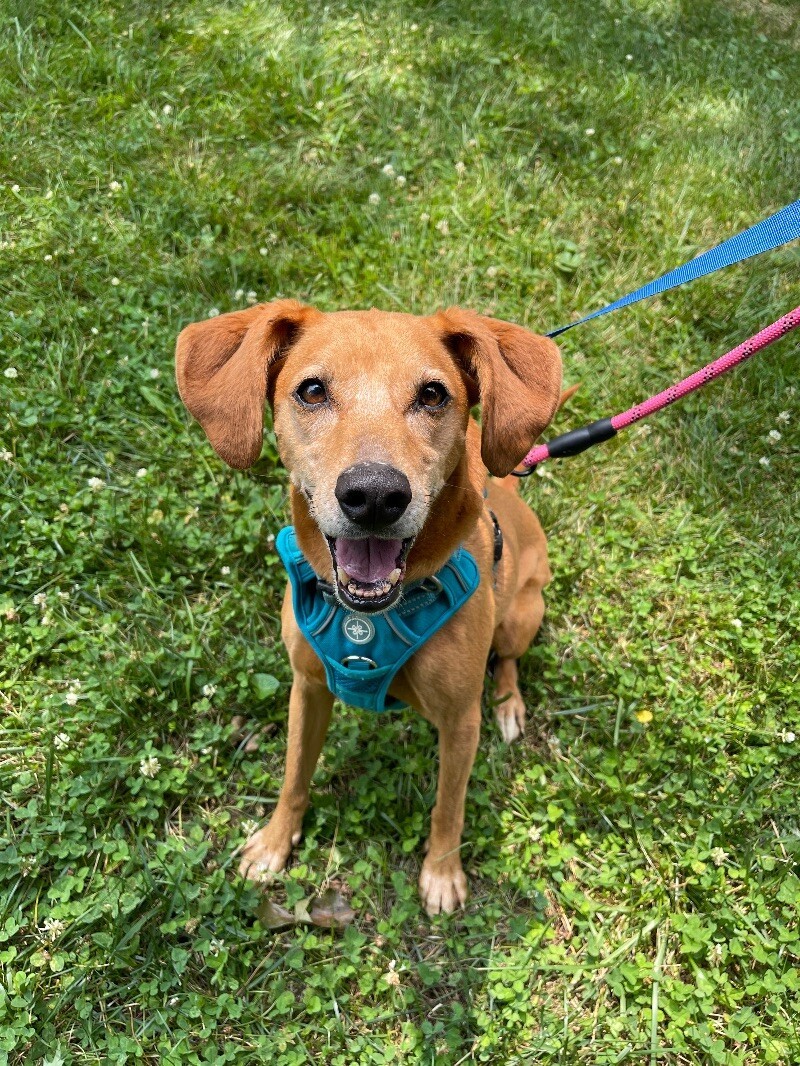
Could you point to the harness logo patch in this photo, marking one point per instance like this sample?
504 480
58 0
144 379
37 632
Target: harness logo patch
358 630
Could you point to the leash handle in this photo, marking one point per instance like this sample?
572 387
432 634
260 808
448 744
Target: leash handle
578 440
769 233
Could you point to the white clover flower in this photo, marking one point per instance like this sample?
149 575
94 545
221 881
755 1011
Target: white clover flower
213 312
71 698
374 198
718 856
629 57
774 435
114 186
10 372
61 741
400 179
252 297
48 258
239 294
155 373
6 457
225 570
142 471
209 690
443 226
51 929
784 417
589 132
115 282
94 330
736 623
424 217
319 105
491 272
618 160
166 109
388 170
788 737
149 767
472 143
461 166
40 599
263 251
15 188
764 461
96 484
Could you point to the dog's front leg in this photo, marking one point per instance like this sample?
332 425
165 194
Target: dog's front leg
266 851
442 884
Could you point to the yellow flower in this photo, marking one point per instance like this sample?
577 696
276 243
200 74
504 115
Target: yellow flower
644 716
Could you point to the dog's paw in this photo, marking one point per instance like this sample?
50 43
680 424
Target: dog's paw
442 885
266 853
510 715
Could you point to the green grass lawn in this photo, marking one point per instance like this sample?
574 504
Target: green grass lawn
634 862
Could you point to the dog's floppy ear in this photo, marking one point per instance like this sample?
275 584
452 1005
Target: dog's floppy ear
223 368
515 373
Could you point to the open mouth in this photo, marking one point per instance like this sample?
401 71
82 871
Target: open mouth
369 571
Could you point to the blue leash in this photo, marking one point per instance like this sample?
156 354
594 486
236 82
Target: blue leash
772 232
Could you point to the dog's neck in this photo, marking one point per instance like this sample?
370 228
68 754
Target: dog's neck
451 519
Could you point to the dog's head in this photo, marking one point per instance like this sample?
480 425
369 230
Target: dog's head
370 413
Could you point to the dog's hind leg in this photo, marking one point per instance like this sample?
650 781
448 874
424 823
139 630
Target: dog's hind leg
266 851
511 638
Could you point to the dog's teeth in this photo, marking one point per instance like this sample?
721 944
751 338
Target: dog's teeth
395 576
343 576
352 589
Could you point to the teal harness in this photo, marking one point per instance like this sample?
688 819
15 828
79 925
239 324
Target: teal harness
362 653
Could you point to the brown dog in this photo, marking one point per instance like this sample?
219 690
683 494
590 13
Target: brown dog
388 478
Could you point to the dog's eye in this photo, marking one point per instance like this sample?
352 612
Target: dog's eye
433 395
311 392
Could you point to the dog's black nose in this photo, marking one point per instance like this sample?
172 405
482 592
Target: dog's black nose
373 495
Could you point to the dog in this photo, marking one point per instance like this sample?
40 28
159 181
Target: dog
389 479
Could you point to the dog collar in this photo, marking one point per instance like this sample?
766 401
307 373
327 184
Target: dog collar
362 653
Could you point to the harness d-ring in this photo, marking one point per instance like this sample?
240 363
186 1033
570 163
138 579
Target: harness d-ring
360 659
431 584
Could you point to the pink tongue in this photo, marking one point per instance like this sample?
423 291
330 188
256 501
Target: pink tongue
370 559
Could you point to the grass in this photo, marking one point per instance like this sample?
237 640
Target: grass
634 863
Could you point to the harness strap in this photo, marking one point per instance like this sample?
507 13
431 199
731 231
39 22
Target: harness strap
498 538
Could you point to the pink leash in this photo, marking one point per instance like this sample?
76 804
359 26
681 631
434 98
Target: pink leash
578 440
